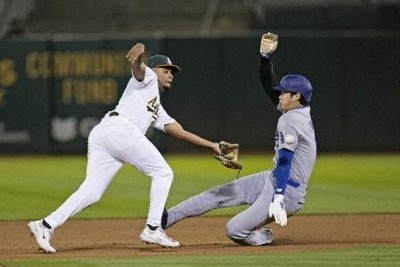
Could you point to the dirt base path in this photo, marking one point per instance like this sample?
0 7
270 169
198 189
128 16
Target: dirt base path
199 236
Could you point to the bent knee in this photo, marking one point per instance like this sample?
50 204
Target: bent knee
235 233
164 173
167 172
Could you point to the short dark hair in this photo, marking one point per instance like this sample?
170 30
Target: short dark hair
302 100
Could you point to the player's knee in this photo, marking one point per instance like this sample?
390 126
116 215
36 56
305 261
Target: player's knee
234 235
164 173
234 232
167 172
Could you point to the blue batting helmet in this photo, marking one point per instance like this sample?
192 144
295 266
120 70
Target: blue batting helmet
296 83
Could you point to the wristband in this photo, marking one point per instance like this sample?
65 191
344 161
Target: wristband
265 54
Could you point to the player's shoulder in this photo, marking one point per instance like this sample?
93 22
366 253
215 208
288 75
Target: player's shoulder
286 118
291 114
298 112
295 115
149 76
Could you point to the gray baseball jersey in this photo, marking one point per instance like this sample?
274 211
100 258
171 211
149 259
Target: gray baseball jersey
257 190
294 132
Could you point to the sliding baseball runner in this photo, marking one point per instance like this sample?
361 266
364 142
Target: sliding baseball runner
271 195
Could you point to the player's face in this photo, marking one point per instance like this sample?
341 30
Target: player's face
165 78
288 101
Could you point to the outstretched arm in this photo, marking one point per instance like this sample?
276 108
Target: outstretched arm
176 130
136 58
267 78
268 44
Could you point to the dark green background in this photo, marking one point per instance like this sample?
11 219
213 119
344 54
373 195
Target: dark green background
355 106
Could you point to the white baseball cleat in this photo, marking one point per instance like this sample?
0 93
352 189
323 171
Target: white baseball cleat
42 235
158 237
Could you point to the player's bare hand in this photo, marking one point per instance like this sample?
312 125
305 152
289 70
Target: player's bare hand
136 58
268 44
136 53
215 148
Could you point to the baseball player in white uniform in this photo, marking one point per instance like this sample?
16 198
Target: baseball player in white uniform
120 138
271 195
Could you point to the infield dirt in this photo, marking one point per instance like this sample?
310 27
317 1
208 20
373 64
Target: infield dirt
199 236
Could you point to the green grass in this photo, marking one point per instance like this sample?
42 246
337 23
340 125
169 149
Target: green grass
388 256
33 186
355 184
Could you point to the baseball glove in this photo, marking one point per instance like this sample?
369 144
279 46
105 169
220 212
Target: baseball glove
229 156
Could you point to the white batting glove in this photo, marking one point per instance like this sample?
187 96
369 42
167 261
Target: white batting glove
277 209
269 42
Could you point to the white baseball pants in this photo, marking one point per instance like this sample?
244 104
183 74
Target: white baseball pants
111 143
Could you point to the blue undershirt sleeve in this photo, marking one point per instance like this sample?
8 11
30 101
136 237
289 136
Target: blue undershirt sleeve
282 169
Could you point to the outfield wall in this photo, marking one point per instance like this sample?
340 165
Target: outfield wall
52 92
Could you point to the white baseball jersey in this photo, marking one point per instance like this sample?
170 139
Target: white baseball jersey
140 103
120 138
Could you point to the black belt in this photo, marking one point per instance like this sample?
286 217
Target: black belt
113 113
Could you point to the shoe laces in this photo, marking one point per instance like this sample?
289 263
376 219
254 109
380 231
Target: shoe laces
162 232
268 233
47 233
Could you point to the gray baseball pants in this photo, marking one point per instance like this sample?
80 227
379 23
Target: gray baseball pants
255 190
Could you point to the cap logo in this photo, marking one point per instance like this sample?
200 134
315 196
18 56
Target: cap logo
163 62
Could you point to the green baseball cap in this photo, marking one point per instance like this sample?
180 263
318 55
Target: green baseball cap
161 61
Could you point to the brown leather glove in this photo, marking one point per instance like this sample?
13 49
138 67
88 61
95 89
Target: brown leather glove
229 156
